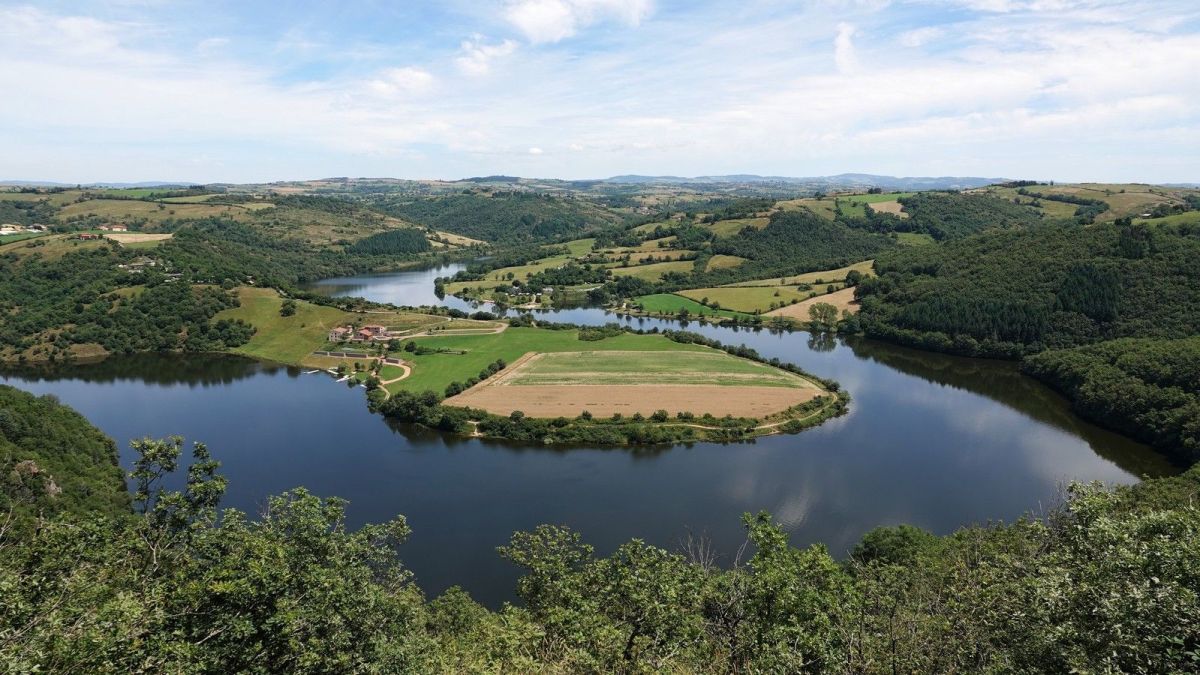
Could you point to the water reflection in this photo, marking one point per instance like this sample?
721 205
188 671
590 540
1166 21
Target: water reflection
931 440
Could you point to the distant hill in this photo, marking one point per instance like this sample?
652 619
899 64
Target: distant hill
840 181
52 184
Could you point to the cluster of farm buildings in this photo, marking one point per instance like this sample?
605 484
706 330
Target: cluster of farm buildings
364 334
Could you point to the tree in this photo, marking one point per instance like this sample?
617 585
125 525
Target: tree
822 316
288 308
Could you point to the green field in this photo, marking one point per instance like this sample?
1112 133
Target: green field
728 228
752 299
20 236
914 239
622 368
580 247
435 371
721 261
654 271
292 339
1188 218
669 303
866 268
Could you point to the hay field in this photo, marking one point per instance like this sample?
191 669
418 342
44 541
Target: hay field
138 239
895 208
843 300
866 268
608 382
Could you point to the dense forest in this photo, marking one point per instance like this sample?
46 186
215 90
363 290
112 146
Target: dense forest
52 462
952 215
393 242
72 300
504 218
1011 292
1103 583
1145 388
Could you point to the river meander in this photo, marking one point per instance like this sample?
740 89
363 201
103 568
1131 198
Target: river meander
932 440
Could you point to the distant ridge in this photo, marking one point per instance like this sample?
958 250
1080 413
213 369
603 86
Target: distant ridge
844 180
52 184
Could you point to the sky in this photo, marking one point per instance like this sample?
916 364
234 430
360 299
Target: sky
234 91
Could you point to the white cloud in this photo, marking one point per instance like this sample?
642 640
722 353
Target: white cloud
1054 96
555 20
406 80
536 151
843 49
476 56
921 36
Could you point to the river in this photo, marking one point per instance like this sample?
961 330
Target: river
932 440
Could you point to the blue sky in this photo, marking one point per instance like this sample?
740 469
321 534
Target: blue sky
130 90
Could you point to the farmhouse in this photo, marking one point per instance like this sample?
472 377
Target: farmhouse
88 235
114 227
338 334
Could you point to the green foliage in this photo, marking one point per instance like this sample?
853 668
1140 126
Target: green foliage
952 215
393 242
1010 292
52 461
1145 388
503 217
1105 583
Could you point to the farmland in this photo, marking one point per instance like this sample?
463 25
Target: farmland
752 299
292 339
670 303
626 382
843 300
463 356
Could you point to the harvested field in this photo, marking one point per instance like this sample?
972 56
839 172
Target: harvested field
604 383
894 208
137 237
843 300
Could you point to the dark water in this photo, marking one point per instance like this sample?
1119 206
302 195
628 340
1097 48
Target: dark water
936 441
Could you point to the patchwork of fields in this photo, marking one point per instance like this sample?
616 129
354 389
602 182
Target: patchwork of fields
609 382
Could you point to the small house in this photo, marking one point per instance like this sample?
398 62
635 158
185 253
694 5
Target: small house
339 334
363 335
375 329
88 235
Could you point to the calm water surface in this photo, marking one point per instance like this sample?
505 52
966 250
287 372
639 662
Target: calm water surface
932 440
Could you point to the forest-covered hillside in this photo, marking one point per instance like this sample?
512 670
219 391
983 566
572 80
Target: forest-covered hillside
53 462
1148 389
1011 292
505 217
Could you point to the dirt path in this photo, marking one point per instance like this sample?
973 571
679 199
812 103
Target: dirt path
499 328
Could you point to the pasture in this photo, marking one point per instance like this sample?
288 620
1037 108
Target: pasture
138 239
292 339
609 382
466 355
843 300
669 303
654 271
752 299
866 268
728 228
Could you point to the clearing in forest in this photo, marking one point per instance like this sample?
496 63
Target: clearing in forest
628 382
842 300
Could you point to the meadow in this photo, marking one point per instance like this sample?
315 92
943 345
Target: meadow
434 371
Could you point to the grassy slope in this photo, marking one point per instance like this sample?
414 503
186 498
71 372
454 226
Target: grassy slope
751 298
291 339
435 371
654 271
669 303
866 267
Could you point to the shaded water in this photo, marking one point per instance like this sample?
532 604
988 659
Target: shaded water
931 440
